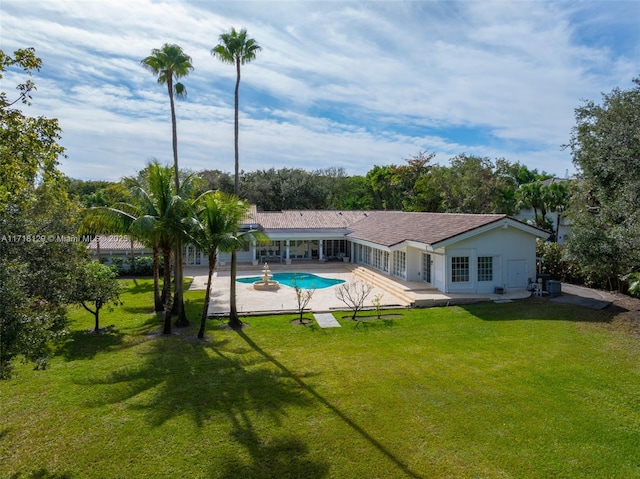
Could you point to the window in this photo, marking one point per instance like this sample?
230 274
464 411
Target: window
426 267
460 269
485 268
399 265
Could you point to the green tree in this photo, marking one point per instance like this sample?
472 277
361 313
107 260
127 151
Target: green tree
237 49
38 246
558 197
605 144
96 286
160 216
219 215
169 64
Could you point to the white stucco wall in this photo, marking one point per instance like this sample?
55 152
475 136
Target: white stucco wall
514 260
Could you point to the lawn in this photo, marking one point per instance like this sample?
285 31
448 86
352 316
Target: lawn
529 389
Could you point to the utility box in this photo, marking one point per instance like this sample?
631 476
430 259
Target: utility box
554 288
544 277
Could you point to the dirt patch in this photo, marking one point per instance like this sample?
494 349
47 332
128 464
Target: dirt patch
372 317
304 322
226 327
625 314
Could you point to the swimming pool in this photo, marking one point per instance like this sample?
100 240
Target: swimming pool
303 280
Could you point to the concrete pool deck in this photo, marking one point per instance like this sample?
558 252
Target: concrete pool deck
393 292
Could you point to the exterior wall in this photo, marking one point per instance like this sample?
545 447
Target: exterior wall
514 261
527 216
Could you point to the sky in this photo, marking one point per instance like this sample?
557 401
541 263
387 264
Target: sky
337 84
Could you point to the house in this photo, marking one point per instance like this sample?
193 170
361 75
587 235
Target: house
116 249
455 253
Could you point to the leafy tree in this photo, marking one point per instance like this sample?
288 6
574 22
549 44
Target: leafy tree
237 49
96 286
605 143
216 180
387 191
169 64
353 294
38 246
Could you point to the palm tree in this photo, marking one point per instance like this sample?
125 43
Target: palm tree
160 216
235 48
558 196
169 64
219 217
530 195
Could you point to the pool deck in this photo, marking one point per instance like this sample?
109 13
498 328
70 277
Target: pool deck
392 291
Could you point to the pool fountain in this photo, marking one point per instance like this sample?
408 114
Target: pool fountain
266 283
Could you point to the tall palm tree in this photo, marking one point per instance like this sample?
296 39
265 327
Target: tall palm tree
169 64
237 49
160 216
219 216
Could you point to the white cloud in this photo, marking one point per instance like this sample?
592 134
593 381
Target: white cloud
348 84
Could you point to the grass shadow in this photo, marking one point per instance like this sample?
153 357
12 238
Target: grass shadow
406 470
206 381
141 287
538 309
83 344
41 473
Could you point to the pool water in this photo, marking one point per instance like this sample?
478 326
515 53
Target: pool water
303 280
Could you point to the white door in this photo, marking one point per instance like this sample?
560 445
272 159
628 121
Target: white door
517 274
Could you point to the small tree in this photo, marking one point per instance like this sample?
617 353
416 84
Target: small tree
377 302
353 295
96 286
303 296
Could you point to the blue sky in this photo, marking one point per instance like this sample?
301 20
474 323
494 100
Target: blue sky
338 83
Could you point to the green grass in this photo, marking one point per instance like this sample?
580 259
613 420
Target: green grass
529 389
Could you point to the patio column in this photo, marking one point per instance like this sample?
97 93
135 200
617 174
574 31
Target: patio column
254 257
320 252
287 249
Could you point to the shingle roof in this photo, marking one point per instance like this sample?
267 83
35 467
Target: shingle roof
114 243
388 228
308 219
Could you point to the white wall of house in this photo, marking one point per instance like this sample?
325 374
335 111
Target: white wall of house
513 261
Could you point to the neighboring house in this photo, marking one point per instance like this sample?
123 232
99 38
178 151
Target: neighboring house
455 253
107 248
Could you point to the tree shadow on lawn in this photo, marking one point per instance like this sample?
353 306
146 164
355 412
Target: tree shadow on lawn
541 309
202 380
84 344
286 372
41 473
141 287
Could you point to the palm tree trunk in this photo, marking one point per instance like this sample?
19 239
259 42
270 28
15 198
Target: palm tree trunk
207 297
166 290
181 321
174 131
234 319
157 300
236 132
